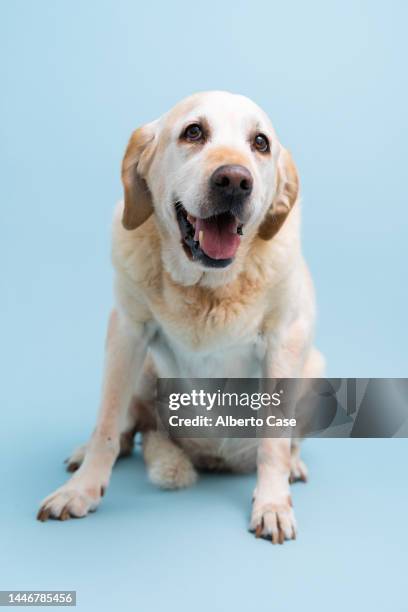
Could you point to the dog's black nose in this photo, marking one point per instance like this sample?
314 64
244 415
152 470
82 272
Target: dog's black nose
232 181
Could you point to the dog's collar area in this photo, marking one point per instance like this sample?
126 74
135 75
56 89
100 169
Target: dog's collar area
193 237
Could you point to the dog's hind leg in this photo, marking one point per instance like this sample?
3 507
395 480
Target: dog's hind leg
298 469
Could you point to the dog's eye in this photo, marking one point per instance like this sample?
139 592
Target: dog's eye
261 143
193 132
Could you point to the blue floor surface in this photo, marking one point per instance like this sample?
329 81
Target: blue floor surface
149 550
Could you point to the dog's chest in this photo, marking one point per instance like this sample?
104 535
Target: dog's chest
218 339
202 332
173 359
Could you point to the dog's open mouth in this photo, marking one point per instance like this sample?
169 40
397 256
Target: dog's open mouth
213 241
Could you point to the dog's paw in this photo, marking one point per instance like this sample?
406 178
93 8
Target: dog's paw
175 472
273 521
74 499
298 470
76 459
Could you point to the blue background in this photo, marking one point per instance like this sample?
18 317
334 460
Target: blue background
76 78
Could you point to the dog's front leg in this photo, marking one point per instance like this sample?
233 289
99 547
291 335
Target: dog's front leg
125 352
272 512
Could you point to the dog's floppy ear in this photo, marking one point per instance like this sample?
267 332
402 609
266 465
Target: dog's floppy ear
286 194
138 200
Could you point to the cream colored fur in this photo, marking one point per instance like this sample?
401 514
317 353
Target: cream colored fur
176 318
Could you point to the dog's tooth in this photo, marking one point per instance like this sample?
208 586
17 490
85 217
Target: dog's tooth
200 236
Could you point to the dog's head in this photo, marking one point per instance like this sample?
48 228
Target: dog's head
214 173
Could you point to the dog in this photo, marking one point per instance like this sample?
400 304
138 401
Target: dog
209 282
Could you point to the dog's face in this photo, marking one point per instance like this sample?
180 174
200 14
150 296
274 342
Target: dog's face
215 174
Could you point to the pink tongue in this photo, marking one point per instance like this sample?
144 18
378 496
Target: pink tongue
220 239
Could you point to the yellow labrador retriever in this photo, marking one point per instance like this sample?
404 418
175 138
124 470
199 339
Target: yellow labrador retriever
210 282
